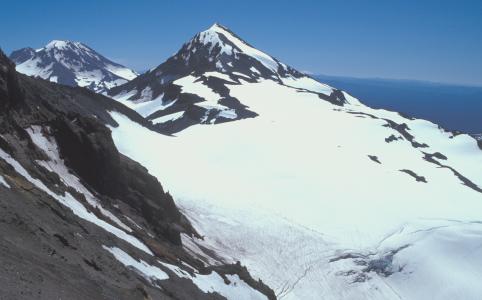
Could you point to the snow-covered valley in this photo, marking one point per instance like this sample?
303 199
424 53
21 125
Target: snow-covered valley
309 195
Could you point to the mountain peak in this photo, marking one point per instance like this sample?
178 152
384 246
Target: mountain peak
66 45
217 27
71 63
57 44
219 34
211 60
220 49
214 26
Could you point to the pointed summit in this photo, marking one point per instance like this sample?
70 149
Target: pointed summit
71 63
215 25
226 49
59 44
193 86
218 27
216 49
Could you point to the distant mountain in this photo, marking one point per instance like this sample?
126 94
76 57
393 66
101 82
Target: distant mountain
72 63
455 107
209 60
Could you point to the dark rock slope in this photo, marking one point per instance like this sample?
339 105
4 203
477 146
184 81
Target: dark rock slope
67 196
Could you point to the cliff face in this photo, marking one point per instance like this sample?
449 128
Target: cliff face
10 91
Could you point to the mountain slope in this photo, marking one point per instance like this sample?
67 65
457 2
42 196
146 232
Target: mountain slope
82 221
71 63
478 137
457 106
319 195
190 87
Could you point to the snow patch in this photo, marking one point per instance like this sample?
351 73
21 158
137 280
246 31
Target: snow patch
219 75
122 72
4 182
213 282
262 57
148 271
56 165
236 289
190 85
308 84
144 108
77 208
170 117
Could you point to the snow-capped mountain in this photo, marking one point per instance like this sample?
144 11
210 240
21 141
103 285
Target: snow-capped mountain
72 63
319 195
206 63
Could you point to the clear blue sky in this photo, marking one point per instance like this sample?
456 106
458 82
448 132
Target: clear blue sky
429 40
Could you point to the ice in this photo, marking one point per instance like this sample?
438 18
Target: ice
427 259
210 37
191 245
237 289
308 84
254 70
4 182
190 85
178 271
31 68
122 72
125 96
85 78
219 66
298 181
148 271
57 44
228 114
146 94
144 107
262 57
219 75
241 74
170 117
